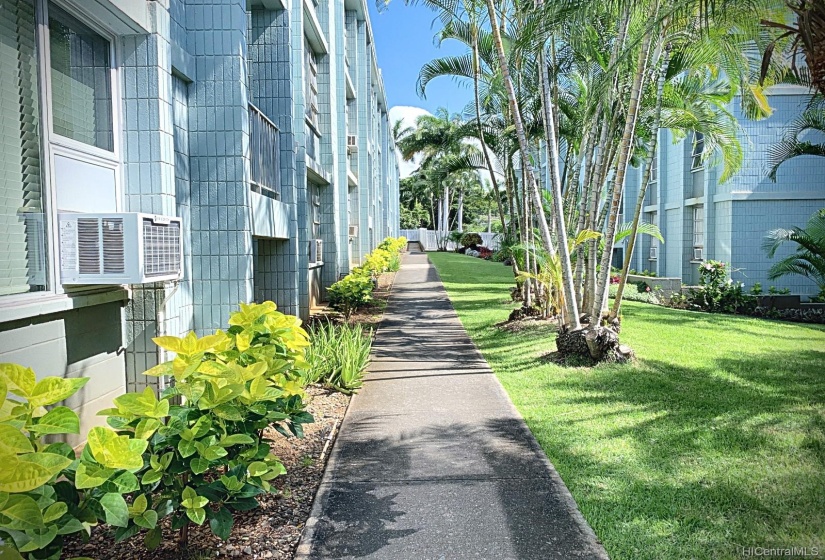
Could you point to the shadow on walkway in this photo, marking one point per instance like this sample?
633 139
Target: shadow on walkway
433 461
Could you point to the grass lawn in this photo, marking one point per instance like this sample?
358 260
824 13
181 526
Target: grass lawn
714 440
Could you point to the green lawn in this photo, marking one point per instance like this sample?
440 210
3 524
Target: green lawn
714 440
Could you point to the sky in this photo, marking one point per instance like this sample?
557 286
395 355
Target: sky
404 43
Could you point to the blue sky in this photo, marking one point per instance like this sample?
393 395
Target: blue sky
404 43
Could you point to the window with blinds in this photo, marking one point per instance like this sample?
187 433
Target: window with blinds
81 81
22 223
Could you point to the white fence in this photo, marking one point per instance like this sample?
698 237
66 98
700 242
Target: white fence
429 239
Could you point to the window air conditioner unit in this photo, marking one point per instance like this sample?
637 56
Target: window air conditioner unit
316 251
698 254
119 248
654 253
353 231
352 145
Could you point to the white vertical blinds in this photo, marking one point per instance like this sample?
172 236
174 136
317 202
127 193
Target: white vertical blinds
22 224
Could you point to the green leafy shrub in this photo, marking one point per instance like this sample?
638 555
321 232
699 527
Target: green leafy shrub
338 356
719 294
207 457
470 239
37 511
350 293
393 244
653 296
377 262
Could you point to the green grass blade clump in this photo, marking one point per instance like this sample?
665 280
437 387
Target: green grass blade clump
338 356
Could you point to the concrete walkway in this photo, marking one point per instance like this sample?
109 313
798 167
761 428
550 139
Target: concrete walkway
432 460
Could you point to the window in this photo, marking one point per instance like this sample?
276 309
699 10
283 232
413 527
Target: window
652 195
698 150
22 224
698 227
75 62
81 81
311 83
654 170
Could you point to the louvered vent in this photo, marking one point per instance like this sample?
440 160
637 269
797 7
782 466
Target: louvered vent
114 261
161 248
88 245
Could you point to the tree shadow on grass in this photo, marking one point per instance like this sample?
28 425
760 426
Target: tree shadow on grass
733 453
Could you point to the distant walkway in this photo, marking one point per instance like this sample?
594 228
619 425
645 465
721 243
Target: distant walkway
433 461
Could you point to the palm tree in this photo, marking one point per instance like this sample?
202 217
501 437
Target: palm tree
588 84
791 146
809 258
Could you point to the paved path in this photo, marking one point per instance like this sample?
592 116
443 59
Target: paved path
433 461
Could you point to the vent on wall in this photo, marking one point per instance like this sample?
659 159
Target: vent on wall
698 254
316 251
352 144
353 231
654 253
122 248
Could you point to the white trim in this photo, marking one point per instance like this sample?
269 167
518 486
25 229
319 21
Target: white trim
774 195
47 303
312 30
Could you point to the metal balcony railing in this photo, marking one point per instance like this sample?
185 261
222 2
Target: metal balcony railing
265 154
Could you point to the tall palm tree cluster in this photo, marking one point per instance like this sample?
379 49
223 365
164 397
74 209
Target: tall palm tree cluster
567 95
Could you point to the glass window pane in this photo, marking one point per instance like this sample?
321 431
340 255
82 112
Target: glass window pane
22 226
81 81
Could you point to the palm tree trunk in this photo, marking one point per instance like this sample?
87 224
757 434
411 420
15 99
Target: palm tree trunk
488 161
599 300
637 213
568 289
597 177
460 218
519 126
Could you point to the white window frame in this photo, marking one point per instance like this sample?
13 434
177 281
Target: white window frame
311 111
52 145
699 218
696 162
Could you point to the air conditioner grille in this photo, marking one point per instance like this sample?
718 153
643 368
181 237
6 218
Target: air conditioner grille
161 248
88 245
114 258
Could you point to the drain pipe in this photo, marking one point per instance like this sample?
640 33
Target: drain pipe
160 321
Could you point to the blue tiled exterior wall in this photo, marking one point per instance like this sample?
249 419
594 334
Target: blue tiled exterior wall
187 87
738 213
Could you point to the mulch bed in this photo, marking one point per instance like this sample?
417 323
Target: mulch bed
271 531
367 316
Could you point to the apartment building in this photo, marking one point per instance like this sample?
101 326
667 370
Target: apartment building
252 135
703 219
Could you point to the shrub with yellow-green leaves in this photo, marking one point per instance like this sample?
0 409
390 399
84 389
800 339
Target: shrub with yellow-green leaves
355 289
38 504
393 244
208 456
195 458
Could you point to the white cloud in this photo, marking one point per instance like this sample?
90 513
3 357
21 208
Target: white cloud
407 115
